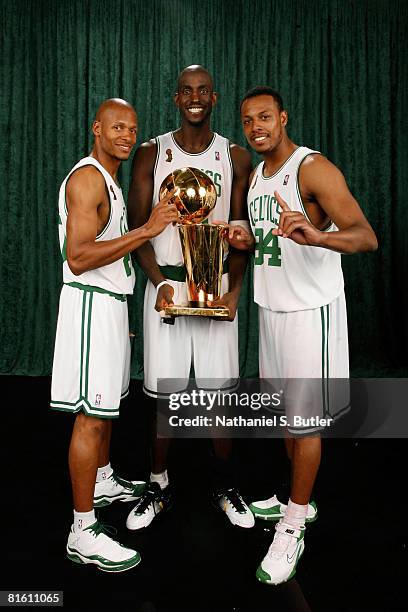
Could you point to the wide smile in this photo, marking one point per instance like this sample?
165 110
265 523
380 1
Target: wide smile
195 110
259 139
124 147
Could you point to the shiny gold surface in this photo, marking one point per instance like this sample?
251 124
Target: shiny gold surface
220 312
196 195
203 253
202 244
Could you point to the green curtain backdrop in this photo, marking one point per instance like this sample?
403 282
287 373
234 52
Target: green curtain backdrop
341 67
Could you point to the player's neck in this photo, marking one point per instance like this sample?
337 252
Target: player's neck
194 138
273 160
110 164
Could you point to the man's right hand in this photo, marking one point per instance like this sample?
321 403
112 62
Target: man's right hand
164 297
163 213
237 236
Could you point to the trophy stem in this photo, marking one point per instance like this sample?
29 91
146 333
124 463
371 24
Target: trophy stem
203 252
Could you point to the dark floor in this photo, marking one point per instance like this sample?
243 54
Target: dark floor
192 558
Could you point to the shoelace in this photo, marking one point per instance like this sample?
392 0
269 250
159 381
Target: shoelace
118 481
147 498
235 500
98 527
279 545
280 542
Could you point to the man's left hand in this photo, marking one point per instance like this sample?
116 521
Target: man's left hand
296 226
230 301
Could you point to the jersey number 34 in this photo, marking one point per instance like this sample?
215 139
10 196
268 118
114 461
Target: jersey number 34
268 245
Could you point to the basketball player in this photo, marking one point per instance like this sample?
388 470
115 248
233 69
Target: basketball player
303 217
169 350
91 359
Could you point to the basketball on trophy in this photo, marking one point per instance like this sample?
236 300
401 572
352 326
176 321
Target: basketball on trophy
195 195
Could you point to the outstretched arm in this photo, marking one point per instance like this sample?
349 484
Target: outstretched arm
139 208
85 192
241 162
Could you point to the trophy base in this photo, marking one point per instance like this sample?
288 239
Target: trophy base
221 312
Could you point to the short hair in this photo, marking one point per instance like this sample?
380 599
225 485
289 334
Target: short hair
194 68
263 90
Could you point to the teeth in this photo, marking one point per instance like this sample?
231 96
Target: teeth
260 138
195 110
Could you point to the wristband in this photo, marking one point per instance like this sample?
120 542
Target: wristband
243 223
165 282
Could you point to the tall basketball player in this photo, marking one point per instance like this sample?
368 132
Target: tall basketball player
91 360
303 217
212 346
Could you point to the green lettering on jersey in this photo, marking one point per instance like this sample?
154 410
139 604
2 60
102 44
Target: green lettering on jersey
268 245
64 246
124 230
217 183
64 250
253 212
216 178
261 209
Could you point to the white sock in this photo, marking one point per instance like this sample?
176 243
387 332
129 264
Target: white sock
295 514
161 478
83 519
103 473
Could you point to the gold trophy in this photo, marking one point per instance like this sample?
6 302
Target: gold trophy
202 244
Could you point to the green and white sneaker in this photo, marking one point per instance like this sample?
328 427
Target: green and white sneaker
92 545
116 488
272 510
279 564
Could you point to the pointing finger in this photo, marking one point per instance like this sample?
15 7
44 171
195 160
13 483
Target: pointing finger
170 195
281 201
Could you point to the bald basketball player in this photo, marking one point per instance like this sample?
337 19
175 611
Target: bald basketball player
92 353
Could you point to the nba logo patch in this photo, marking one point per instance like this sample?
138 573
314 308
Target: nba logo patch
217 156
169 154
98 399
113 192
285 180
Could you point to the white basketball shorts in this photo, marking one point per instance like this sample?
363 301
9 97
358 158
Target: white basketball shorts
170 350
306 350
92 353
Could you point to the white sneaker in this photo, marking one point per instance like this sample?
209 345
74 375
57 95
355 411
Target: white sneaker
279 564
153 500
231 502
92 545
116 488
272 510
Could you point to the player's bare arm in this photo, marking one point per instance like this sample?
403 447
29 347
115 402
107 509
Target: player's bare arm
326 198
139 208
241 163
86 197
240 237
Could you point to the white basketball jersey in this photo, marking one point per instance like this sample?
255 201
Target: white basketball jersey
288 276
119 276
214 161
